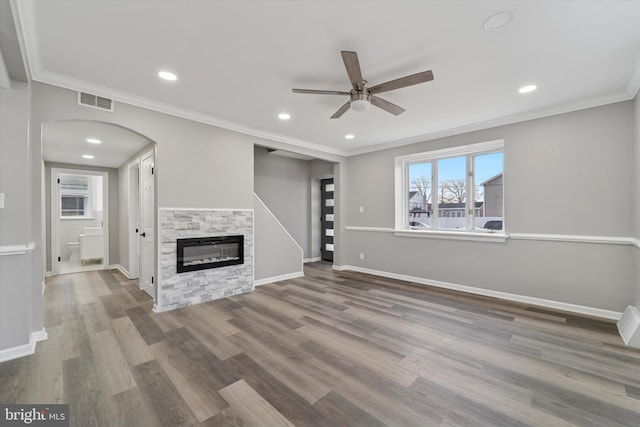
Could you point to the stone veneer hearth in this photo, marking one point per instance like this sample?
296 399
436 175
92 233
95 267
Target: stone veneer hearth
177 290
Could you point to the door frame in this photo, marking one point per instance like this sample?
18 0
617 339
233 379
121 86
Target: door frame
134 218
55 213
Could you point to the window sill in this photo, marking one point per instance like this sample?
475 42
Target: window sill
66 218
451 235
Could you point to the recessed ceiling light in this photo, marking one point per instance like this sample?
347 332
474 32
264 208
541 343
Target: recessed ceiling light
284 116
498 20
166 75
349 136
88 156
93 141
527 89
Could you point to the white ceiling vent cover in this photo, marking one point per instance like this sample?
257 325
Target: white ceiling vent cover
95 101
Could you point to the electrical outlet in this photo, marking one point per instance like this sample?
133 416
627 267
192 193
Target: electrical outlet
361 255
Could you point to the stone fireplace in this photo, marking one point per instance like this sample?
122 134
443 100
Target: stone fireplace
206 254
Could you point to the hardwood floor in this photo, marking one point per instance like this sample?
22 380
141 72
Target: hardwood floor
329 349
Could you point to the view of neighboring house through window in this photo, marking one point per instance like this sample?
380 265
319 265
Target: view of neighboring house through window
80 195
453 189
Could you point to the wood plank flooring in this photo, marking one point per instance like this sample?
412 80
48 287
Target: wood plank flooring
328 349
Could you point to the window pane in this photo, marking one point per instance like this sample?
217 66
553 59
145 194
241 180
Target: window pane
420 188
488 189
72 206
452 193
74 194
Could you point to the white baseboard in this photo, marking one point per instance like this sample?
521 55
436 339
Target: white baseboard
261 282
120 268
314 259
24 350
556 305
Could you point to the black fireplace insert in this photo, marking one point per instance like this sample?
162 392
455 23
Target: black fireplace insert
202 253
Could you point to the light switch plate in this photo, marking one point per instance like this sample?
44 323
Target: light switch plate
1 200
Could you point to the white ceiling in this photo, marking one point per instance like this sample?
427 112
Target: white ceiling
238 60
66 142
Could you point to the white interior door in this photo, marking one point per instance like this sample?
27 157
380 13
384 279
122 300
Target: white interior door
147 226
134 219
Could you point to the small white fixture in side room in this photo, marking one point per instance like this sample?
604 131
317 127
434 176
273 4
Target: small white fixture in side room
498 20
88 156
629 327
284 116
527 88
349 136
167 75
93 141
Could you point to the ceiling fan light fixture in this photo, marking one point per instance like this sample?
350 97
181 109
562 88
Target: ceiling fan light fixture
359 104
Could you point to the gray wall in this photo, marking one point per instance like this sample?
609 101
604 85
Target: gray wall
18 288
275 254
290 189
564 175
197 165
113 208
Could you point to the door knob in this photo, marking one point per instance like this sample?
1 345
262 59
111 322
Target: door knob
143 234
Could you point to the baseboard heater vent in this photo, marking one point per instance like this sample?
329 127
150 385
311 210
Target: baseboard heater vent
629 327
95 101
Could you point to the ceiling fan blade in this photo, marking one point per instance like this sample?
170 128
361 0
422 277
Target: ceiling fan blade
386 105
352 65
411 80
320 92
341 110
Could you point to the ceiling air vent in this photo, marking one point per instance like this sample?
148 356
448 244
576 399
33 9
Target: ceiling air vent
95 101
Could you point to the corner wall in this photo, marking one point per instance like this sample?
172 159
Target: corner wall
636 192
20 288
569 176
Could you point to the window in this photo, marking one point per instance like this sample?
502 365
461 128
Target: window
74 195
458 189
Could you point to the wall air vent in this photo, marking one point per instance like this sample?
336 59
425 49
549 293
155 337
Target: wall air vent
95 101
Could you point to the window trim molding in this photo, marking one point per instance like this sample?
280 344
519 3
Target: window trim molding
401 178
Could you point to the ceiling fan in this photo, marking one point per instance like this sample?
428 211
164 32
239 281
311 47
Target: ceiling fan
362 96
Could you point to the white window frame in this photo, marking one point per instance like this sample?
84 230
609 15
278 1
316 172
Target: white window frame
88 204
402 163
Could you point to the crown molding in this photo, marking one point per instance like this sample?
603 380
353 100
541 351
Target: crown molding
149 104
27 33
634 81
502 121
23 18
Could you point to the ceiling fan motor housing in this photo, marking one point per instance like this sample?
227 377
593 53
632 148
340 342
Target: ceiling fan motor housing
360 99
